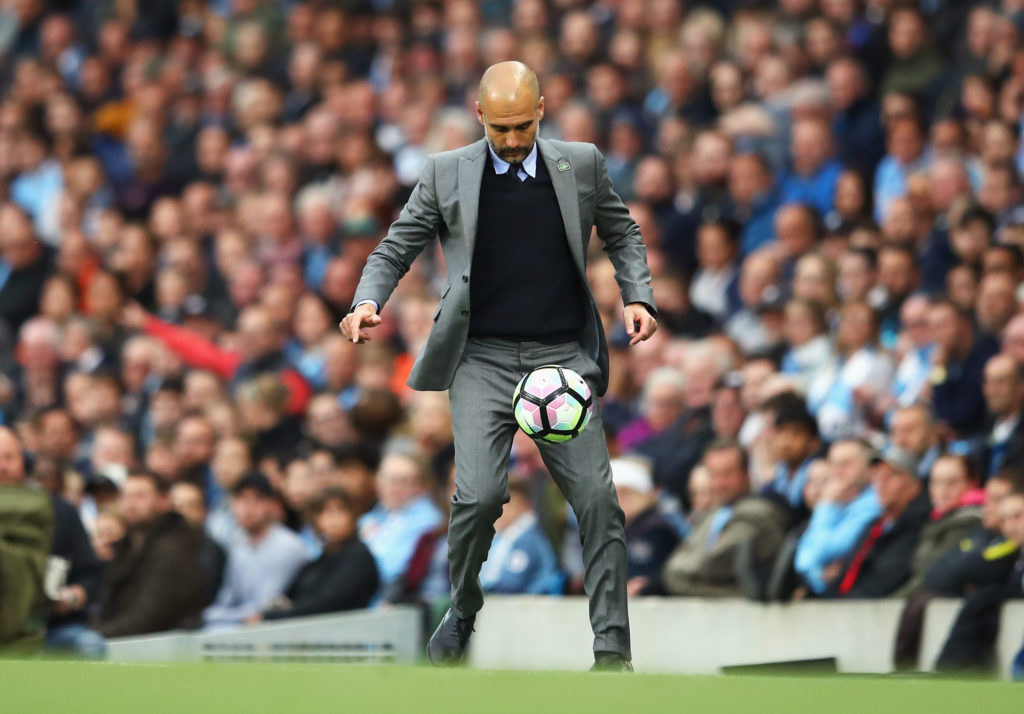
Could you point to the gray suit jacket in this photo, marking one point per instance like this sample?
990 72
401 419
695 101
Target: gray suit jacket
445 203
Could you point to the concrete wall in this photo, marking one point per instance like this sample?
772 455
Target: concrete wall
703 636
387 635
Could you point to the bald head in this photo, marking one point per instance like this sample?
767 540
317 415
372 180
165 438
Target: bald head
510 109
508 82
12 461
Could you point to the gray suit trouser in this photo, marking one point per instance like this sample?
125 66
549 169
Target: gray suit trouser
481 401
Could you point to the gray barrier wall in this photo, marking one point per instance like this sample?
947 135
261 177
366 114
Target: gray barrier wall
669 635
703 636
386 635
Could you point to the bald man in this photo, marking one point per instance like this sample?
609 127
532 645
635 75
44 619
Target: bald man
514 214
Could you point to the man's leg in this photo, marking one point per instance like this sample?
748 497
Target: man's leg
580 468
483 424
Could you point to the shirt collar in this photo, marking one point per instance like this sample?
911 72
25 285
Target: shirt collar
529 163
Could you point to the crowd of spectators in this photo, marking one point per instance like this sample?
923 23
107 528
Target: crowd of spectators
830 195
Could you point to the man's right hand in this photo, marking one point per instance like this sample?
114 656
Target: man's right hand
363 316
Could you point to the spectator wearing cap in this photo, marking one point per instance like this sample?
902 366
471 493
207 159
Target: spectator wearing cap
795 443
913 429
154 582
958 366
847 505
404 512
881 560
704 565
1003 387
650 538
520 560
263 556
344 577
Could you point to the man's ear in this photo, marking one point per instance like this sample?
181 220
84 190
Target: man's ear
479 114
540 108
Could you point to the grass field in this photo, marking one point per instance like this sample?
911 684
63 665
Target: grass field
84 688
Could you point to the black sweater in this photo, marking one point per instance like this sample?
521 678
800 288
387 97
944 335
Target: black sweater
344 577
524 284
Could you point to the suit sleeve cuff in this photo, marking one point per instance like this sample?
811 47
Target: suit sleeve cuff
376 306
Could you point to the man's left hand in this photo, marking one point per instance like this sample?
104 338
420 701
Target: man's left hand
640 324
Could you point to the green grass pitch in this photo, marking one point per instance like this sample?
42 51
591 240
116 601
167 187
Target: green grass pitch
86 688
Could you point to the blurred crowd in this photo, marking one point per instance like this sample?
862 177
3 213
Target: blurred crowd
830 194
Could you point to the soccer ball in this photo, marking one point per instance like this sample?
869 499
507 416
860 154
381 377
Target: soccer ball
552 403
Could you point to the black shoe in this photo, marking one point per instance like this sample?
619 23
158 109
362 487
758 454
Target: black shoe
448 643
611 662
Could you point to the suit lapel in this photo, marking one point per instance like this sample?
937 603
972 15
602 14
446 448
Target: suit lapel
564 182
471 174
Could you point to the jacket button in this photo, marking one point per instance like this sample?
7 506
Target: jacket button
465 278
465 313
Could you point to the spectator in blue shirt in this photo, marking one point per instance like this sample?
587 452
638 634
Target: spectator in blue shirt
263 556
403 513
795 441
521 560
906 155
847 505
856 117
754 201
815 171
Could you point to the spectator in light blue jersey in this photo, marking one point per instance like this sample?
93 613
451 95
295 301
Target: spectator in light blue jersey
847 505
403 513
521 560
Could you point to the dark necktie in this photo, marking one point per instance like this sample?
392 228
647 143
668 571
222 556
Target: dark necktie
512 175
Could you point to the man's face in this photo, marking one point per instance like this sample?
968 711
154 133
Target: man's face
848 464
187 500
727 475
1000 385
895 488
12 463
398 481
911 431
251 510
995 491
195 443
141 503
510 124
1011 512
947 483
793 443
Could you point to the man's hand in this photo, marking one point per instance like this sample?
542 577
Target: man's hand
363 316
133 316
640 324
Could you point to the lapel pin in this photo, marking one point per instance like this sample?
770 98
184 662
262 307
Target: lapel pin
563 165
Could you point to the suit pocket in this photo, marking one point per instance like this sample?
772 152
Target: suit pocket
437 313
